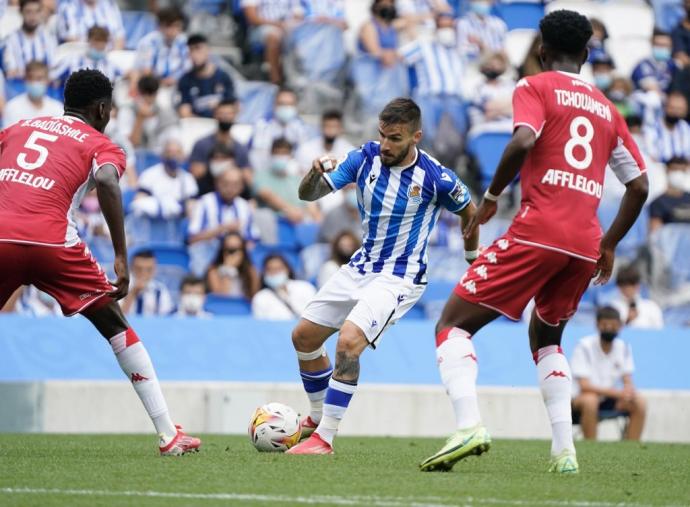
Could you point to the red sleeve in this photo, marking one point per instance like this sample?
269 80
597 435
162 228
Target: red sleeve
625 160
109 153
3 136
528 107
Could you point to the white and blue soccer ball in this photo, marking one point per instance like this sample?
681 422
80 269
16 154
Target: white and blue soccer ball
274 427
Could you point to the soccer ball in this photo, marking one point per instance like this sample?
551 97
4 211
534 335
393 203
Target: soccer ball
274 427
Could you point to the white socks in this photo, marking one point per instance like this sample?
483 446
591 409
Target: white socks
457 362
338 397
555 381
136 363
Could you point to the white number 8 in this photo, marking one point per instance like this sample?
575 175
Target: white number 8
577 140
31 144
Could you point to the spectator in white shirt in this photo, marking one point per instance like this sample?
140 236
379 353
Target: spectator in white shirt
602 366
283 297
635 311
75 17
34 102
192 298
331 141
479 31
165 189
492 102
31 42
232 273
343 247
94 57
147 296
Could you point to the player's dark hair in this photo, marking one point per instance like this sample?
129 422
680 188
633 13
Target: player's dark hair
170 15
402 111
607 312
565 31
148 85
195 39
191 280
86 86
628 275
24 3
100 33
144 254
332 114
281 144
273 256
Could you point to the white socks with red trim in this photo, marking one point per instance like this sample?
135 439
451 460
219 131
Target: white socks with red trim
136 363
457 362
555 381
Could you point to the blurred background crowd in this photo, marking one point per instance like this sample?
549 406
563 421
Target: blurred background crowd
221 106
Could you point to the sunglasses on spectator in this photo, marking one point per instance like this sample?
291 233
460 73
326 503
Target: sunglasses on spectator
231 251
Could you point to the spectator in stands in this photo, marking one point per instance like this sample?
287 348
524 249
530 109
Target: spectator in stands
34 102
224 113
94 57
164 53
285 123
420 15
344 217
205 86
232 273
332 141
619 93
330 12
343 246
634 310
669 137
655 73
217 214
282 297
493 99
114 131
31 42
480 31
147 296
602 70
277 187
378 37
192 298
602 365
673 206
438 68
165 189
75 17
269 21
147 122
681 39
597 43
31 302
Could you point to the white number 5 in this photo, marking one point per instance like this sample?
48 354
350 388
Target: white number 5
577 140
31 144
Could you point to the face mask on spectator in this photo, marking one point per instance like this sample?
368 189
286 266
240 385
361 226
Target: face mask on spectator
225 126
285 113
446 36
602 80
192 303
481 8
276 280
228 271
171 164
608 336
661 53
36 89
387 12
218 167
677 179
617 95
279 164
672 120
95 54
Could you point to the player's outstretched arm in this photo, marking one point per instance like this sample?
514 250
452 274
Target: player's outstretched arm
313 185
472 241
110 200
631 204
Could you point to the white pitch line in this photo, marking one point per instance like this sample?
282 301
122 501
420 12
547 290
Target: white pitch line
377 501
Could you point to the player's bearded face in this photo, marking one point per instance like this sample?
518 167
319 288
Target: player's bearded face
396 142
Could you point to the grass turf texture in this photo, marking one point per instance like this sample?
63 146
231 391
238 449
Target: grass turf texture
366 471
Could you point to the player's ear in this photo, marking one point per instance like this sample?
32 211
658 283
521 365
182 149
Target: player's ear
585 57
417 136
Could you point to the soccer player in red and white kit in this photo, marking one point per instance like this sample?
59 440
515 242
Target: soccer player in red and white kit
565 133
47 165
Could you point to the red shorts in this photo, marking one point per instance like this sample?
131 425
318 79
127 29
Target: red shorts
508 274
70 274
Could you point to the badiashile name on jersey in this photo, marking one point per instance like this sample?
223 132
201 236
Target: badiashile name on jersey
559 178
57 127
28 179
584 102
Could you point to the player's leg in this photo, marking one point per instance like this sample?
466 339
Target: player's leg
135 362
637 410
588 406
13 267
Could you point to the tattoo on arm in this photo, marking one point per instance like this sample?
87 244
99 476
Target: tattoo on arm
346 368
313 187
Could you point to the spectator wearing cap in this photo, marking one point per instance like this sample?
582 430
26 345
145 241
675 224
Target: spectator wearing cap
634 310
655 73
668 136
602 367
673 206
94 57
30 42
75 17
480 31
205 86
223 144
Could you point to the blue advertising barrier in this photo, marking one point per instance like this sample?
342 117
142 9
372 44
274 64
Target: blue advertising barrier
243 349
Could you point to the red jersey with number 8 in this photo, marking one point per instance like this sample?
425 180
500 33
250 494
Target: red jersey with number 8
579 131
47 165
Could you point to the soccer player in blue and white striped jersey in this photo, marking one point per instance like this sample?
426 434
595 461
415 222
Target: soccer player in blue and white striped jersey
401 191
30 42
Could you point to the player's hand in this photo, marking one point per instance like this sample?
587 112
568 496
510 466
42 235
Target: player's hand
602 273
325 164
628 394
122 283
485 211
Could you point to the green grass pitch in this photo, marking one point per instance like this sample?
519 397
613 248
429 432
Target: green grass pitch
124 470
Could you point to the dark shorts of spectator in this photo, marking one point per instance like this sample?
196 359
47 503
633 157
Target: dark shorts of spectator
607 410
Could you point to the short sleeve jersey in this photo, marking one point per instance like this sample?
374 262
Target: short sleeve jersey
47 165
579 131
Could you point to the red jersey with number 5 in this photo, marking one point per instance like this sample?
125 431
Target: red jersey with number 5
579 131
46 167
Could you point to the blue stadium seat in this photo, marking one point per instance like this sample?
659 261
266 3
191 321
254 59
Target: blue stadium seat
137 24
636 237
672 243
145 159
144 230
520 14
487 148
14 87
306 234
226 305
677 316
166 255
127 198
287 236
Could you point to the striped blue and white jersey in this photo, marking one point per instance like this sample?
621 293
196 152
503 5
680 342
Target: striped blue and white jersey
274 10
154 54
334 9
438 68
399 207
66 66
490 30
75 17
21 49
664 143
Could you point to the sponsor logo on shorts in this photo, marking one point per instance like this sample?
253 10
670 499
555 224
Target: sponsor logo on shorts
482 271
401 298
503 244
374 323
470 286
87 295
491 257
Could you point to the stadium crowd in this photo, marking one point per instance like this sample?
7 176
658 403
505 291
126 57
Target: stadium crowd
222 106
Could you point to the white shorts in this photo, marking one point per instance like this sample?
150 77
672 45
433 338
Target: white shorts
372 302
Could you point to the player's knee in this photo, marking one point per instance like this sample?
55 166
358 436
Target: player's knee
302 340
589 403
639 405
351 341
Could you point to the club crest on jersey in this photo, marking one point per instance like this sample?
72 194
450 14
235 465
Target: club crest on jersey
414 194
